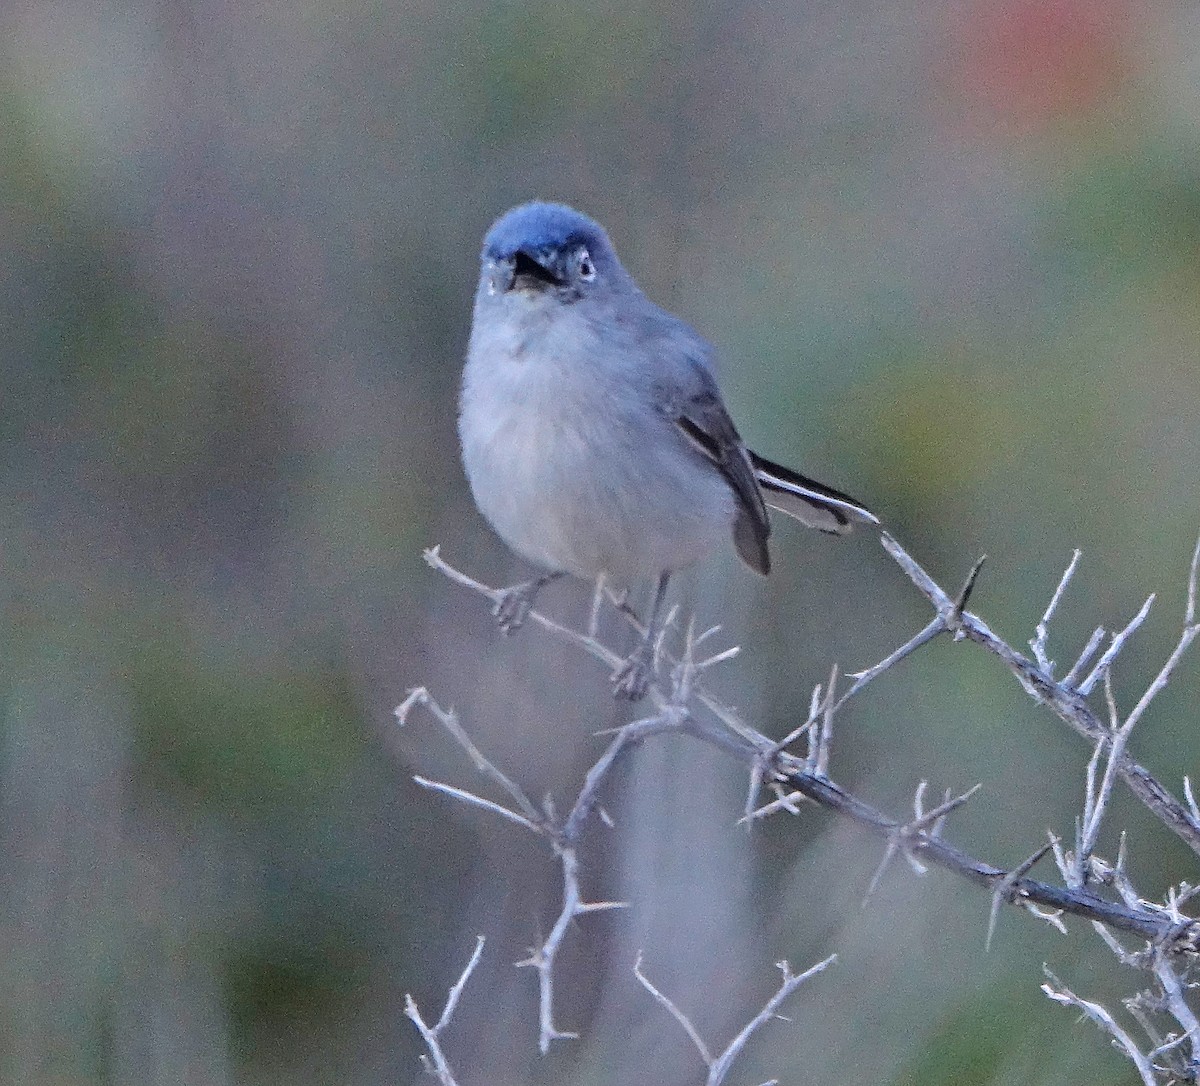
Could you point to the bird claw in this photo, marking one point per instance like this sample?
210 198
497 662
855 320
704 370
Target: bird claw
513 606
632 678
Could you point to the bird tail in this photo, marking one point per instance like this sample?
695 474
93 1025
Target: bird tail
808 501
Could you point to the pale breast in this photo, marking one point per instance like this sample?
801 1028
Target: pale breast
577 472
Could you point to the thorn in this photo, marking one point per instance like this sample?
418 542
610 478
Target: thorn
889 854
1005 889
968 587
925 820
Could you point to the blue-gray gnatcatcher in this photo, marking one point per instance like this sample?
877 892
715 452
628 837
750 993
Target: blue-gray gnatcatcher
593 431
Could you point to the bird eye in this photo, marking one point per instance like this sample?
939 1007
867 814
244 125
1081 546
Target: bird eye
587 270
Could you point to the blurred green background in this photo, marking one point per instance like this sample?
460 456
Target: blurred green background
950 256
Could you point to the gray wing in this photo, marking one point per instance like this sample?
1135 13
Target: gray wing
701 418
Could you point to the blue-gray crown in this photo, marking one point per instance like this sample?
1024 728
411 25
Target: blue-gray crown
534 226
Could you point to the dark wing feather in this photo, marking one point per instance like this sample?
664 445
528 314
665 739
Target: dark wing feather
703 420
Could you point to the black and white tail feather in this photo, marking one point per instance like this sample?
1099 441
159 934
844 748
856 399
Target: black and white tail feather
758 482
806 500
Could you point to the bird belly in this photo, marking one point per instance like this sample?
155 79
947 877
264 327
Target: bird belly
590 490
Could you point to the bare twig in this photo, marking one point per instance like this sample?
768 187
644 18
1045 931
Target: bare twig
1096 799
770 1010
675 1012
720 1065
816 706
630 734
449 720
1060 993
542 958
1164 675
1142 921
1190 797
478 801
924 827
1089 650
1189 614
1177 1006
1114 649
824 736
433 556
964 593
436 1062
459 985
861 678
593 628
1042 630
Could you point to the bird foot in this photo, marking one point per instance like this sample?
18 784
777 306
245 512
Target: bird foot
632 678
513 605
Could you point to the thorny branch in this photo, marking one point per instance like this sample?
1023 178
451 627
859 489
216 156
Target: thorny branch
562 836
785 771
1172 938
1176 1052
1170 962
1066 699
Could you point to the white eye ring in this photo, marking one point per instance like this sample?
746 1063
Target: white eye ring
587 270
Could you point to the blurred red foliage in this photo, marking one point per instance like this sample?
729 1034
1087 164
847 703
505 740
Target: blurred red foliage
1023 63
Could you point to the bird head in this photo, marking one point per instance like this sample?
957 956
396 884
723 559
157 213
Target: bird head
547 250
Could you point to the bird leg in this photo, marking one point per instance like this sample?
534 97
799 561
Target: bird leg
513 604
633 676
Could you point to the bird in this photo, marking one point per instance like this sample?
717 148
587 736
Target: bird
594 436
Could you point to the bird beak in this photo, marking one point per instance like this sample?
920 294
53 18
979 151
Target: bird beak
534 271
